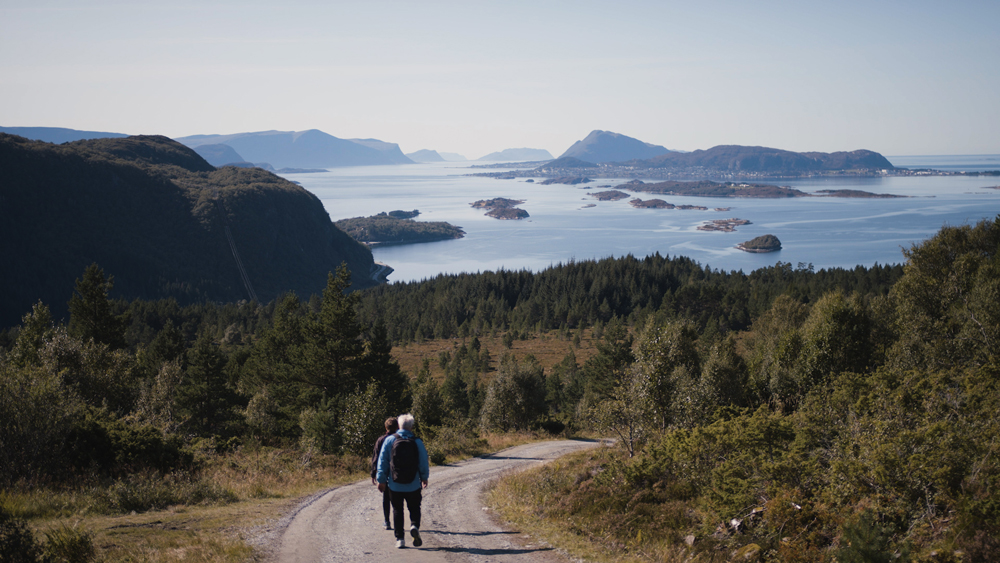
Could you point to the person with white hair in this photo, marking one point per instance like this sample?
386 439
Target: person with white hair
403 469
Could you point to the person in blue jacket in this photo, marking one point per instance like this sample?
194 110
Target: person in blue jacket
410 492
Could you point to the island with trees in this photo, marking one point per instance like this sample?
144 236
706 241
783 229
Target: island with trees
608 195
568 180
763 243
501 208
397 227
856 194
660 204
723 225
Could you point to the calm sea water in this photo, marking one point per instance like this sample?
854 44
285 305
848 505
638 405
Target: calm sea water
826 232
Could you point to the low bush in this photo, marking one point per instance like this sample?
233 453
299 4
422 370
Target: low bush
460 440
143 492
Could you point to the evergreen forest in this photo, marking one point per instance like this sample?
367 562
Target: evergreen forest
786 414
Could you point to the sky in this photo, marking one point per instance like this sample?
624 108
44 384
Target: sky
901 78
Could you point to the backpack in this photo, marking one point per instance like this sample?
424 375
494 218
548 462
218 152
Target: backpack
403 460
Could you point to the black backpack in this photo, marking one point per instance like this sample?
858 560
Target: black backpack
403 460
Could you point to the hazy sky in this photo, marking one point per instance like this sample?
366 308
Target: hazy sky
913 77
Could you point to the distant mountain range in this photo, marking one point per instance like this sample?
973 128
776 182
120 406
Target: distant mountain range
304 149
58 135
425 155
605 146
452 157
219 154
518 155
161 220
743 159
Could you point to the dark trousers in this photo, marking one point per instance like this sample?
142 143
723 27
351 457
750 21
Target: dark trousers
412 499
386 503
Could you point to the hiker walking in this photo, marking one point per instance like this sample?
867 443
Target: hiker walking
391 426
403 470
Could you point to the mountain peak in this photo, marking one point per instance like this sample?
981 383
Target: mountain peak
608 146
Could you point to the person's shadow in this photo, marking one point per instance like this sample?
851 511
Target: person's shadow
480 551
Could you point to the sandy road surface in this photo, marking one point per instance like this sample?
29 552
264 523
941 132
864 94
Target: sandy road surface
345 524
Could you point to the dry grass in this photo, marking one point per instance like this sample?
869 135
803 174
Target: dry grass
265 485
530 501
261 487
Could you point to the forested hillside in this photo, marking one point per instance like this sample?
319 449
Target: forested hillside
163 220
784 414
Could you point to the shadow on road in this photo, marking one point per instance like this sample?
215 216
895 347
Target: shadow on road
476 551
478 534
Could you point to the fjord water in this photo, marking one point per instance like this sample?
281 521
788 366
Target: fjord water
824 231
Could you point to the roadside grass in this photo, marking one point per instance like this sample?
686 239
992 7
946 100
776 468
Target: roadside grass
217 515
561 505
221 514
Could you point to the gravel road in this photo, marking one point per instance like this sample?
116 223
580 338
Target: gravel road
345 524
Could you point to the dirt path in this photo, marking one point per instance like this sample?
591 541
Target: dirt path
345 524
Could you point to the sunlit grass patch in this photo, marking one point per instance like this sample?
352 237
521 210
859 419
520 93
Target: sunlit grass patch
565 504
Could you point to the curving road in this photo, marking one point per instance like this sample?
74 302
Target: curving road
345 524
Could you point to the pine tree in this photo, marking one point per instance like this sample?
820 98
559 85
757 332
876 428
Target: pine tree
90 310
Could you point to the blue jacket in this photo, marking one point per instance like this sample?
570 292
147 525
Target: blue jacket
385 475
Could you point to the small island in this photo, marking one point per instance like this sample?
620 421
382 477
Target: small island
856 193
763 243
650 204
660 204
399 214
301 170
723 225
501 208
568 180
397 227
608 195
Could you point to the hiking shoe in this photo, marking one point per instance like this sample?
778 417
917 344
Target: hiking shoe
388 526
400 544
415 534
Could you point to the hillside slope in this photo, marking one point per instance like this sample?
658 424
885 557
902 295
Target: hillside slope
154 214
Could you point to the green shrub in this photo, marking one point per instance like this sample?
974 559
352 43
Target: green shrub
142 492
69 545
17 544
457 441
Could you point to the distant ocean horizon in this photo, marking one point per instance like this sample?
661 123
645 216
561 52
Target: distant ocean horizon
948 163
566 224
